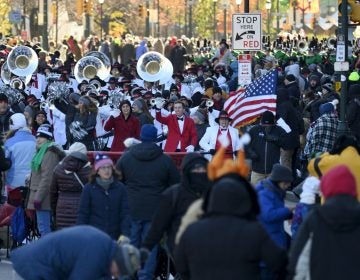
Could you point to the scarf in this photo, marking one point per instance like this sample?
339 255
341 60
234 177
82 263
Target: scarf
105 184
38 158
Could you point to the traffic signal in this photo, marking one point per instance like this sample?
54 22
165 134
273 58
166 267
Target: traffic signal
141 10
353 10
88 6
79 7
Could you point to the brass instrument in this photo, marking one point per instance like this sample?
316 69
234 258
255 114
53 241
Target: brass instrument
88 67
153 66
209 103
159 102
22 61
331 42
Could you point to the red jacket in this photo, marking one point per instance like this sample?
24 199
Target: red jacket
123 129
187 137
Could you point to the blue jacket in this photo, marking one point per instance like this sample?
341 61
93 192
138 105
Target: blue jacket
80 252
20 149
273 212
105 210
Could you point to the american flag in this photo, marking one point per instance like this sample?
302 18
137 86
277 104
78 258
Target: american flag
245 105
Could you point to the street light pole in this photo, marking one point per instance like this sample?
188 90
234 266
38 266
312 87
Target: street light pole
225 6
101 2
238 3
215 25
268 9
190 18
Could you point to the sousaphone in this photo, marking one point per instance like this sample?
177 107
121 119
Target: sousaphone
153 66
88 67
22 61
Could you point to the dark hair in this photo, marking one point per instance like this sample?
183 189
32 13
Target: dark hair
180 102
116 174
344 141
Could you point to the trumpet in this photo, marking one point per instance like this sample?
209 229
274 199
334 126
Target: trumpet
159 102
209 103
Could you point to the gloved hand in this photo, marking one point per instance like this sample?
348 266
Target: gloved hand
212 151
190 149
37 204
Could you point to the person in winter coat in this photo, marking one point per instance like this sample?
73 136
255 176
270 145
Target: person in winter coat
201 124
271 194
327 244
19 147
5 164
47 156
353 110
141 49
146 172
5 115
69 178
79 252
264 148
293 118
228 242
104 200
141 111
126 125
292 87
308 197
177 56
176 200
323 132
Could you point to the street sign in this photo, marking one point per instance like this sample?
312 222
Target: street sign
244 74
246 32
341 66
15 17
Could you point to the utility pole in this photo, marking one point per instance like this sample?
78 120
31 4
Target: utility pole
147 21
45 41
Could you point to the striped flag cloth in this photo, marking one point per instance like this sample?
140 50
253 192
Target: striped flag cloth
245 105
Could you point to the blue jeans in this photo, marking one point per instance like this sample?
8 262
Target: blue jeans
43 221
139 230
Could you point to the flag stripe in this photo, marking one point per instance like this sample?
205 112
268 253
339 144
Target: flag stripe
246 105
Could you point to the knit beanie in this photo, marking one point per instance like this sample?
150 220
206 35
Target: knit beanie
102 160
148 133
339 180
199 115
45 131
328 86
290 78
78 147
17 121
281 173
310 189
4 98
328 107
138 103
267 118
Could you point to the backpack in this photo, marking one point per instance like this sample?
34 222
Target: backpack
18 225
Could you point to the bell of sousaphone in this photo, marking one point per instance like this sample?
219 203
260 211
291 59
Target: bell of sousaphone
153 66
88 67
22 61
5 73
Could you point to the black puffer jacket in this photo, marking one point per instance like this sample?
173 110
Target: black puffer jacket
146 172
292 116
353 110
228 243
335 248
66 190
264 148
173 205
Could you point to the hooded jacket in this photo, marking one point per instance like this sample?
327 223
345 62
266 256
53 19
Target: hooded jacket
335 248
173 205
228 242
146 172
65 189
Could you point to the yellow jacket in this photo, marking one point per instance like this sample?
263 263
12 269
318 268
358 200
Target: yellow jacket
320 165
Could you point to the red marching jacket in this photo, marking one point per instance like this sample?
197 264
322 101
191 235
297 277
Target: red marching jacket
187 137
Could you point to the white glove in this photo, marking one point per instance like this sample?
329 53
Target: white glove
190 149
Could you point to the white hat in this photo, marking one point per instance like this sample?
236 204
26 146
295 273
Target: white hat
78 147
17 121
310 188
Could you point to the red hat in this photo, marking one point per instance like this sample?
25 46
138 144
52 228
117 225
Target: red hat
339 180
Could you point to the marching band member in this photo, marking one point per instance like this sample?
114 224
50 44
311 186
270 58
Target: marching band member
210 142
182 135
